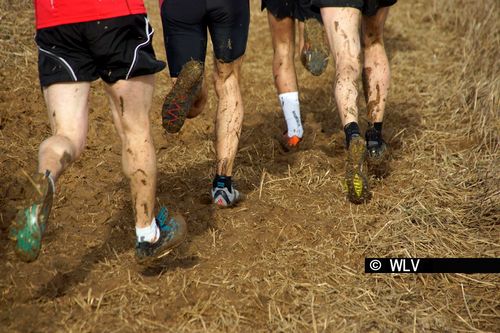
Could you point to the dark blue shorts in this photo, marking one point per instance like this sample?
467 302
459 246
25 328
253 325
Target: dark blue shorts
186 24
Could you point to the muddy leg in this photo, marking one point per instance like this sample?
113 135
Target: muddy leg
376 71
342 28
130 104
229 114
67 106
283 37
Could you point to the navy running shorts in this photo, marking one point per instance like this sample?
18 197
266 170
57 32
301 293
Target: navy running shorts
113 49
296 9
367 7
185 25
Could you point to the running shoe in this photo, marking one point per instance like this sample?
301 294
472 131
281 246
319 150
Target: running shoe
179 100
173 231
289 144
378 152
224 196
314 55
31 222
358 189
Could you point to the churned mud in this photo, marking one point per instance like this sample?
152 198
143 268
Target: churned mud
290 258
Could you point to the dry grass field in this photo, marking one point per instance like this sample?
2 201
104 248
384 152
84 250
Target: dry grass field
291 257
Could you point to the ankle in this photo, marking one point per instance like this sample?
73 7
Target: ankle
351 130
222 181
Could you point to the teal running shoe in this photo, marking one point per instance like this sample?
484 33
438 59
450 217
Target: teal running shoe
173 231
31 222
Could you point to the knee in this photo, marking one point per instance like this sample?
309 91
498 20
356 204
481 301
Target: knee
139 131
284 52
372 36
348 67
70 147
225 76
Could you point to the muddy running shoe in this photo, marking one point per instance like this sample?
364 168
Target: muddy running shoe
358 189
377 152
224 194
31 222
173 231
289 144
179 100
314 55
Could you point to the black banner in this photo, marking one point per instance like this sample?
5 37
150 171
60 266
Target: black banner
432 265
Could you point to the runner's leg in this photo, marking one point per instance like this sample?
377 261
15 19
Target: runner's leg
285 77
67 106
229 114
376 71
342 28
130 102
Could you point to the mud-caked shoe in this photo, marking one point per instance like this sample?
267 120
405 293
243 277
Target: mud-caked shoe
173 231
289 143
180 99
315 53
224 194
31 221
378 152
356 180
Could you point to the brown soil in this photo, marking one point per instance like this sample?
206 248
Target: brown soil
291 257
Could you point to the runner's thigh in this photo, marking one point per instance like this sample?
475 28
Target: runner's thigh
228 22
184 31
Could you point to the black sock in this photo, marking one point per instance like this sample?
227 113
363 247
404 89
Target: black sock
374 133
222 181
351 130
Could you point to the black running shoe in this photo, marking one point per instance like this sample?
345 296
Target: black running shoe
173 231
378 152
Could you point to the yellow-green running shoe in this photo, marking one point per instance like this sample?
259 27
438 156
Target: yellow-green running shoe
31 221
358 189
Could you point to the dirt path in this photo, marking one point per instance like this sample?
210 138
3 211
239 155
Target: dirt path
291 257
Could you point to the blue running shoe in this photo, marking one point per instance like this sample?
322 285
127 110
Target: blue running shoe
31 222
173 231
224 194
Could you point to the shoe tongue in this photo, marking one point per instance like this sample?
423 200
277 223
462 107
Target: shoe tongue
372 144
221 182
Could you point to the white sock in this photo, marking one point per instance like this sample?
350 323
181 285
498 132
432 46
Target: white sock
291 109
148 234
52 183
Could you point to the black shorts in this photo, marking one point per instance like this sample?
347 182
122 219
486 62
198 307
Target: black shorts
112 49
367 7
296 9
185 24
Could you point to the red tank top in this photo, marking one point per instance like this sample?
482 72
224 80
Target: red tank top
50 13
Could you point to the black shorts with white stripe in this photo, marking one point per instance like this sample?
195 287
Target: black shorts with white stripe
112 49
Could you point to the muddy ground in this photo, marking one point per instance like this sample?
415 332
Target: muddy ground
291 257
